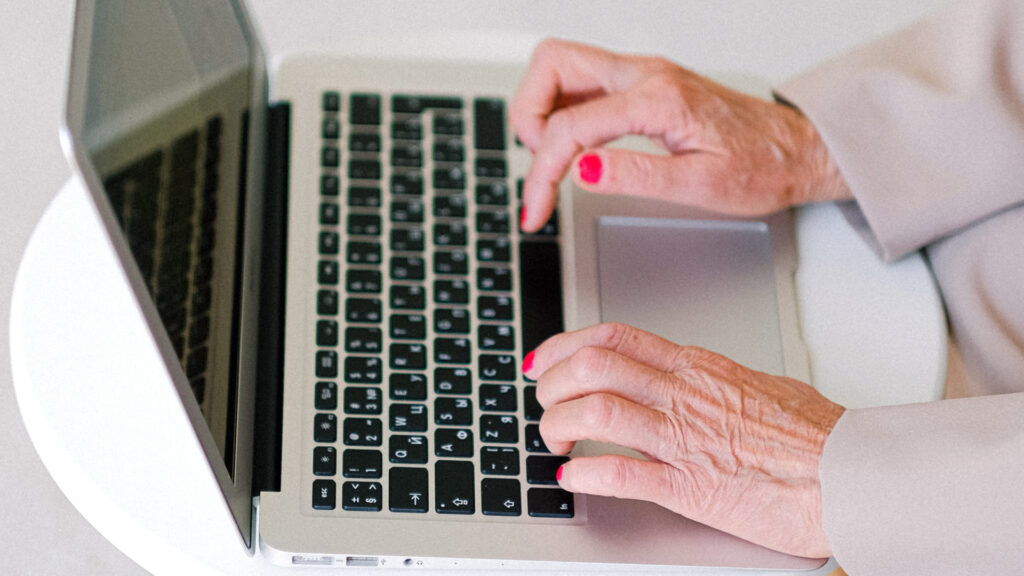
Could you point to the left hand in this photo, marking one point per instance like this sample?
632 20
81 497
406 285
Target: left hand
727 446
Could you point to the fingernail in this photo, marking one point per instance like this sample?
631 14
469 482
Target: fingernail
522 216
558 474
528 363
590 168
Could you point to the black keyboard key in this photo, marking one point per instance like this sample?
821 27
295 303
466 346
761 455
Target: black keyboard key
452 262
406 155
326 396
499 428
454 487
359 340
492 194
407 239
550 503
363 253
448 125
450 206
494 279
362 281
327 302
330 214
534 441
363 310
327 272
359 169
364 197
324 494
532 410
498 398
499 460
500 367
407 449
451 292
330 156
362 401
409 128
495 308
325 428
543 469
450 178
408 297
541 289
453 381
408 326
501 497
326 364
407 418
453 411
492 222
453 443
494 250
408 211
331 101
415 104
452 351
496 337
363 370
325 461
364 109
364 225
362 496
404 386
329 242
451 320
489 133
451 150
326 333
450 234
362 432
407 490
356 463
364 142
407 183
408 357
408 268
490 168
330 129
330 185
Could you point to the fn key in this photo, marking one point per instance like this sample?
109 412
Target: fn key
550 503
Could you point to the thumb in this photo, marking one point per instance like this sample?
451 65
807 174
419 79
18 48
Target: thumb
685 178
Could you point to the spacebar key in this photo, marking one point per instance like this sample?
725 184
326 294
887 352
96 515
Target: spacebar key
540 287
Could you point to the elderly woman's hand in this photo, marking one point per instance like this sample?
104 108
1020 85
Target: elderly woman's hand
726 151
727 446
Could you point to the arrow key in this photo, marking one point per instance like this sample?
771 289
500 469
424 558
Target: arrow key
501 497
407 490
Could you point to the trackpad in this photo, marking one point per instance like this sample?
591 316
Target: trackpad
703 283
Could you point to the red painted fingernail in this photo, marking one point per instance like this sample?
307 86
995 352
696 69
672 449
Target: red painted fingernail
558 474
528 363
522 216
590 168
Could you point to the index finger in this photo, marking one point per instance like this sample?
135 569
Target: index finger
560 74
638 345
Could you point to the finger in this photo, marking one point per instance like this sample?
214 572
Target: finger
685 178
561 73
622 477
641 346
593 370
606 418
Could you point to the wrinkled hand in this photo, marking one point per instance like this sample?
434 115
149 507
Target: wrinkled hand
726 151
727 446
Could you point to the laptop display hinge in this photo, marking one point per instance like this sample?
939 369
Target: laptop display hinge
270 377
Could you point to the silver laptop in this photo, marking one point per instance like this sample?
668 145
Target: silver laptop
332 252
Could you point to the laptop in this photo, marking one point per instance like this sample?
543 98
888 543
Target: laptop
330 251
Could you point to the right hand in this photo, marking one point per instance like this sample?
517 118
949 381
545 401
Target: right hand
726 151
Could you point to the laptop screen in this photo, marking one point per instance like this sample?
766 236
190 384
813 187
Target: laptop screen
164 125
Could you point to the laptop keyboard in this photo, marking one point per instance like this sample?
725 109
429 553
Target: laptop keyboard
428 298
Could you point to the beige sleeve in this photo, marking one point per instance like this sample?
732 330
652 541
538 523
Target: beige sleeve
927 127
